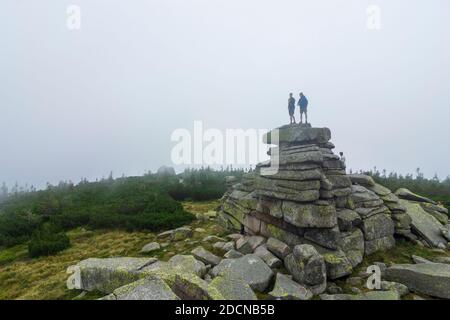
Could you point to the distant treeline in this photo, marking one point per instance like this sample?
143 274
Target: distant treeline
148 202
438 190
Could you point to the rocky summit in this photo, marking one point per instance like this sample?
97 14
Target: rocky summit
311 200
289 234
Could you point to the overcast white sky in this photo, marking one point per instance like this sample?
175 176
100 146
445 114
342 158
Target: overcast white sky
107 97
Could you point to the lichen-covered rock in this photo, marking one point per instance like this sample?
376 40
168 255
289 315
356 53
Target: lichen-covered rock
271 260
165 234
287 289
371 295
205 256
250 268
149 288
152 246
378 295
428 278
278 248
361 195
309 215
307 266
333 288
337 264
186 264
270 230
377 226
212 239
304 196
380 244
405 194
232 288
328 238
286 186
437 211
352 244
234 236
424 224
233 254
188 286
291 134
181 233
361 179
348 220
418 259
401 289
336 297
380 190
230 245
106 275
248 244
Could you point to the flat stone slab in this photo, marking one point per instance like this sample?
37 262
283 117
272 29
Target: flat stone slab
151 288
428 278
362 179
205 256
232 289
372 295
297 134
278 248
106 275
271 260
250 269
405 194
249 244
287 289
427 226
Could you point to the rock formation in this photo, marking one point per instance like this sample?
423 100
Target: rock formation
311 200
309 216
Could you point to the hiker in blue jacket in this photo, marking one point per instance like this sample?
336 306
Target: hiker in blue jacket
303 104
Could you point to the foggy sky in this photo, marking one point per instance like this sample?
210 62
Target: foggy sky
107 97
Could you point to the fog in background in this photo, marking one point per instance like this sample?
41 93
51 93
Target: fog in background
107 97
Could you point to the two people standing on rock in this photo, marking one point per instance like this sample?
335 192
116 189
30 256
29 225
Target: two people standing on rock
302 103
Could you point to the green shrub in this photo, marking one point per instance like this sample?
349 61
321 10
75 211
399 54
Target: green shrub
47 240
149 202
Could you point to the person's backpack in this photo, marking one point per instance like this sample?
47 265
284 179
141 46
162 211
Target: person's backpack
303 102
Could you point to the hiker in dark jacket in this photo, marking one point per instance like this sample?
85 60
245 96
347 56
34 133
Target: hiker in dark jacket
303 104
291 108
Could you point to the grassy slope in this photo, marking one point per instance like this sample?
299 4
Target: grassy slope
45 277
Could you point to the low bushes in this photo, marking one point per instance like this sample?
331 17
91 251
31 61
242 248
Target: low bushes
48 239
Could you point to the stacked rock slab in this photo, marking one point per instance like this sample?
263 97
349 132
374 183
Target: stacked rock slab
391 205
311 200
